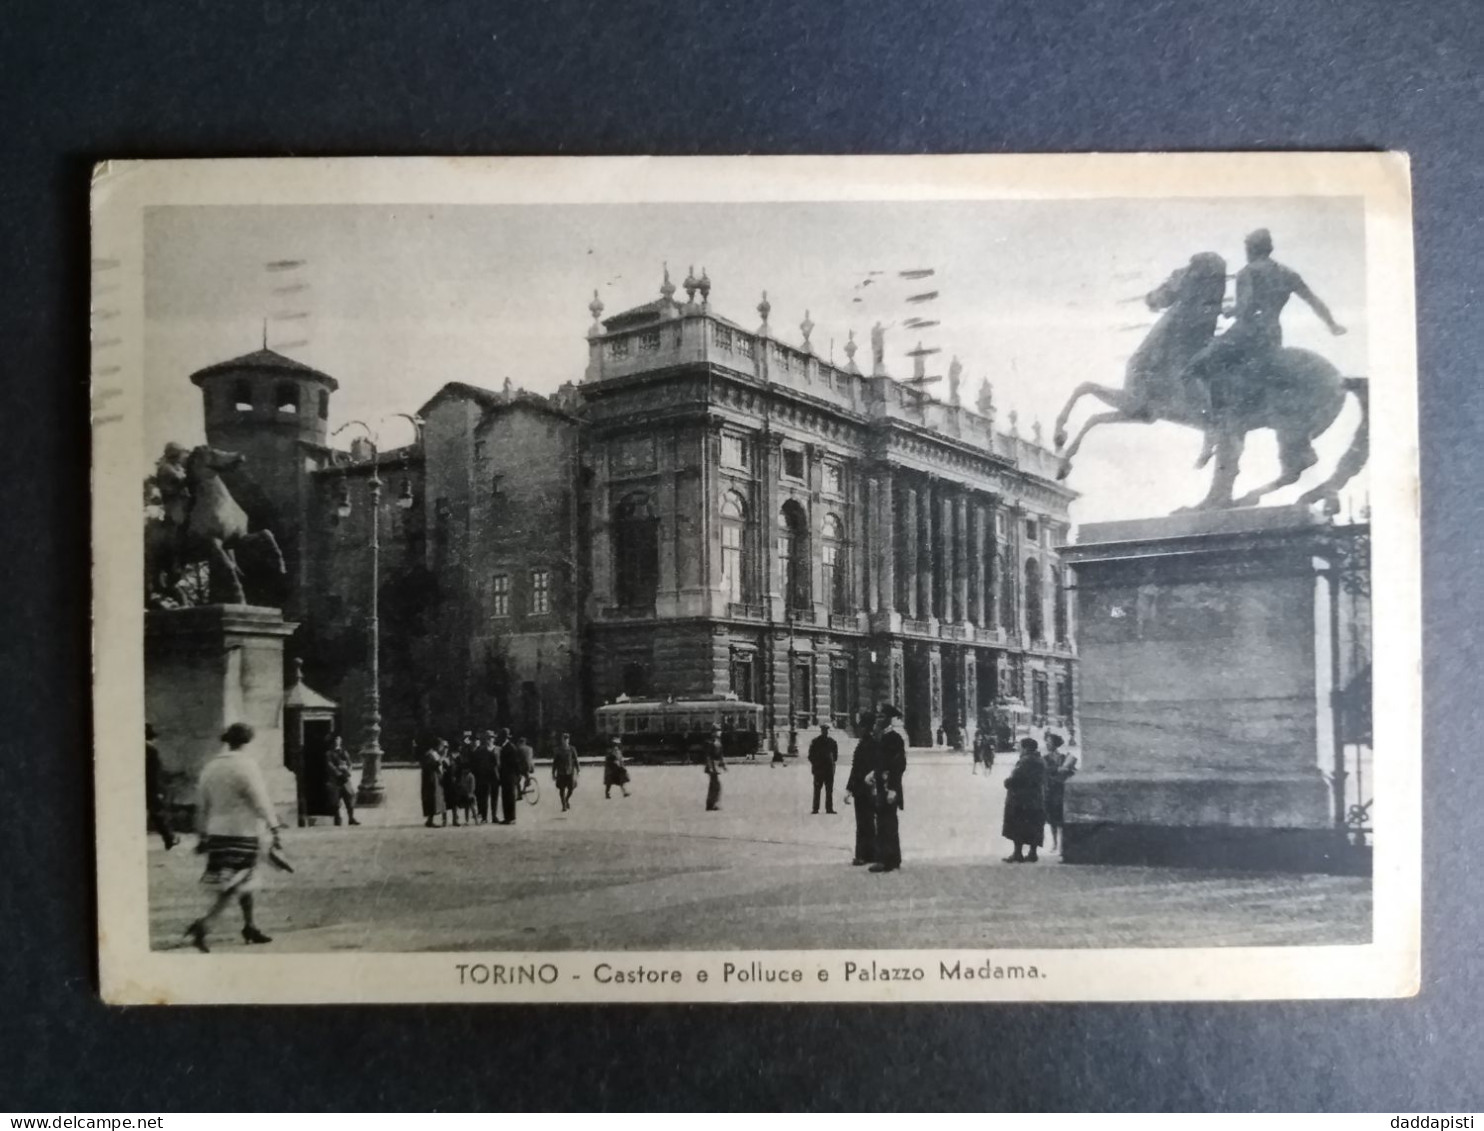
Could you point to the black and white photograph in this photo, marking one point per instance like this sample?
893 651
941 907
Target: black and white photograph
742 579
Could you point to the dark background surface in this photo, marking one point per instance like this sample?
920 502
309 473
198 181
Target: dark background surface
80 82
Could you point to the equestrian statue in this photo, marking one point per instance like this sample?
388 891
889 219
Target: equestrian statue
1234 383
193 522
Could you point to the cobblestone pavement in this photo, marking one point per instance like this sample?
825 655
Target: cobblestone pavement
654 871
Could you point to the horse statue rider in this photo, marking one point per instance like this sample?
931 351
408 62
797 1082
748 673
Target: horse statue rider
1234 383
196 519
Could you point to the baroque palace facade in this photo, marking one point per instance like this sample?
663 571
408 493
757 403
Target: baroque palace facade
708 511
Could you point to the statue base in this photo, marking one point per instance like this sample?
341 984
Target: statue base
1206 714
208 667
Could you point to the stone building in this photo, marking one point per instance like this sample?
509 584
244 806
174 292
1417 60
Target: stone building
709 510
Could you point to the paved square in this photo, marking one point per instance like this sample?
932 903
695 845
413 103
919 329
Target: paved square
655 871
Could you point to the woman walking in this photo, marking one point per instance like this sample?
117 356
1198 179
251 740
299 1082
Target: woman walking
231 812
615 773
1025 804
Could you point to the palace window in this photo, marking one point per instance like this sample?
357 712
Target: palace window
801 689
793 554
636 552
841 698
1032 530
242 396
1040 699
618 349
834 479
649 341
500 596
741 674
793 463
734 451
540 591
832 580
736 564
286 397
324 404
1035 615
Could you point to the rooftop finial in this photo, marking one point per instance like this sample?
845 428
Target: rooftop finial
806 327
704 284
764 308
265 333
1036 432
919 363
298 669
667 288
850 348
986 398
596 308
692 284
1015 424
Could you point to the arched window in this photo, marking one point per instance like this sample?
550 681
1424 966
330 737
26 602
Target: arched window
636 552
242 396
793 554
286 397
832 579
1058 603
1007 594
324 404
736 564
1035 616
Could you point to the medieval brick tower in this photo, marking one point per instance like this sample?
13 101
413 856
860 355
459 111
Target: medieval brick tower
275 411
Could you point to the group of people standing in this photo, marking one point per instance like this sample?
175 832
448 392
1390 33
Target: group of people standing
1035 796
480 779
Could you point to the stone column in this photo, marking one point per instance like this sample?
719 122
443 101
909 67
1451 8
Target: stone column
769 455
870 547
925 547
946 611
911 548
960 558
976 563
885 548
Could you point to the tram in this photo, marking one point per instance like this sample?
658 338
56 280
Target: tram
672 730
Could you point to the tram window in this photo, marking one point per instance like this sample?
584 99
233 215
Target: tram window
641 723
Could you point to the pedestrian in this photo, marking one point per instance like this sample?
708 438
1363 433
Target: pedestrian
823 754
485 762
984 748
1025 804
512 771
891 764
860 790
232 809
455 762
528 760
615 773
431 763
715 765
154 790
1060 766
338 771
564 770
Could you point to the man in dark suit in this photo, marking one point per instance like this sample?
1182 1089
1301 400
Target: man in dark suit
154 789
860 789
823 754
485 762
512 773
891 764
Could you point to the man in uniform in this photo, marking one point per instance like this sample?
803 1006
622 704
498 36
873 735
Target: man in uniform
860 790
1263 289
891 764
485 762
338 772
823 754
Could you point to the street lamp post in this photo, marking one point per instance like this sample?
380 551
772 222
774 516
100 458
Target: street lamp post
371 792
793 732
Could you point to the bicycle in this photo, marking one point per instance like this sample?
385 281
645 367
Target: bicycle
530 791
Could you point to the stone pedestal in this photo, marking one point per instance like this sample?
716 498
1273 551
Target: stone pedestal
1204 644
208 667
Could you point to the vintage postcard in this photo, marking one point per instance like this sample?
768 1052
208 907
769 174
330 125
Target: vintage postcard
756 579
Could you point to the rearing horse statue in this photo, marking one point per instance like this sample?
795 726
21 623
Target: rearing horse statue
205 522
1294 392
